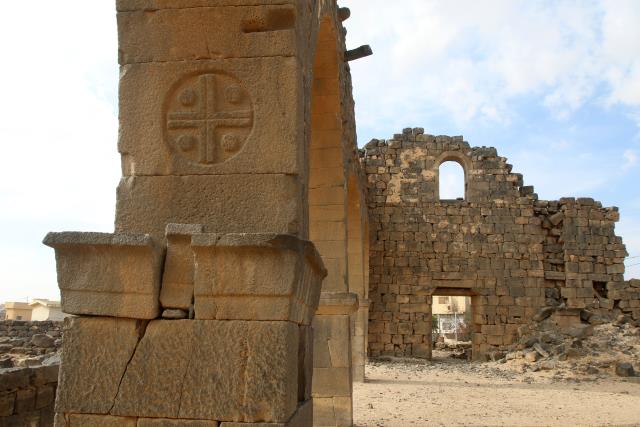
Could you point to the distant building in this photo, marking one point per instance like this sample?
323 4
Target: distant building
449 311
17 311
38 309
44 309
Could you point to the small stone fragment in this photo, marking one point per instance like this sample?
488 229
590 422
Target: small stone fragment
174 313
624 369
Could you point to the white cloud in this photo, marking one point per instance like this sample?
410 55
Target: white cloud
470 59
631 159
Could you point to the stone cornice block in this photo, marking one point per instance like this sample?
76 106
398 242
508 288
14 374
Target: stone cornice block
105 274
334 303
261 276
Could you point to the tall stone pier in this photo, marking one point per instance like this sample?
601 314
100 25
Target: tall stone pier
237 141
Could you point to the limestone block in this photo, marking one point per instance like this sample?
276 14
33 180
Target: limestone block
187 33
179 269
108 274
96 352
256 277
84 420
302 418
216 370
167 422
332 412
212 117
130 5
331 342
331 382
339 303
230 203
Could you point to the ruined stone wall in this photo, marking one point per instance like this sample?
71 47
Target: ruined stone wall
27 396
514 254
28 343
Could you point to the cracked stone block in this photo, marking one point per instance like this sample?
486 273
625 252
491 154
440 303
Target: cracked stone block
105 274
256 277
216 370
177 278
96 352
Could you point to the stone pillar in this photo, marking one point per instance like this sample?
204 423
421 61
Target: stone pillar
198 309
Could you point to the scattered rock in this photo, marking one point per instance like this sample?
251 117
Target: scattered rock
592 370
624 369
531 356
42 340
6 363
537 347
544 314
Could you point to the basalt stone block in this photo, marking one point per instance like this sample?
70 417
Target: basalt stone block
212 117
233 203
105 274
256 277
212 370
95 352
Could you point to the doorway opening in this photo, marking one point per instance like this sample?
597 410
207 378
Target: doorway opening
452 326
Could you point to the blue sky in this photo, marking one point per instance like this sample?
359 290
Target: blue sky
554 86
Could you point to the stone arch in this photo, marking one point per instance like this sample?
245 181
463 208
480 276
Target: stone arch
459 158
331 142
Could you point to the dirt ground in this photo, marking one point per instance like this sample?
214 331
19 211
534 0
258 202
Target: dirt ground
450 392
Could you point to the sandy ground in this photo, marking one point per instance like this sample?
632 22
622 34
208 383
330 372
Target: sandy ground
449 392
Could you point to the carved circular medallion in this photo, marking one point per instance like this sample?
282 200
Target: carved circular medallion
208 118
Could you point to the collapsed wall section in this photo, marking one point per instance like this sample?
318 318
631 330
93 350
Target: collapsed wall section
512 253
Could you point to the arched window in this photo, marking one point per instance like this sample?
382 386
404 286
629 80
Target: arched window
451 180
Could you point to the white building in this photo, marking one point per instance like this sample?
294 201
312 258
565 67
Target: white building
44 309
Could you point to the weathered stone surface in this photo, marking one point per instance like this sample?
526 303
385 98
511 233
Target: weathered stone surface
96 353
332 411
253 134
108 274
213 201
84 420
219 370
179 268
128 5
182 34
337 303
303 417
256 277
166 422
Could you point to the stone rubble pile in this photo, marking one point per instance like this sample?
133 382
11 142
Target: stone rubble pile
576 342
